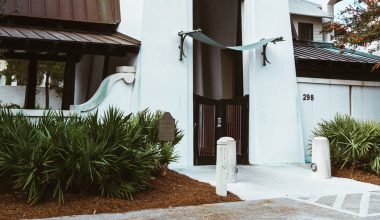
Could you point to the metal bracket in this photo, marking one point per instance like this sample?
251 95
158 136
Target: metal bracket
183 36
264 53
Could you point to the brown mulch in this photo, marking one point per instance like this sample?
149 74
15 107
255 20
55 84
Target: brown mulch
357 175
170 191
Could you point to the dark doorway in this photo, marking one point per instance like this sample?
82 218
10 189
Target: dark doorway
220 108
218 74
220 118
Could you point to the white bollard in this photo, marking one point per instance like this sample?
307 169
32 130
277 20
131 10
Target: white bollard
225 164
321 162
231 161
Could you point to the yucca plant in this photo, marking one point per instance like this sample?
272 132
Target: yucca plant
113 155
352 142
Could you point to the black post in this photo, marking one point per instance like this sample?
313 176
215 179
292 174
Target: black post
105 66
69 83
31 86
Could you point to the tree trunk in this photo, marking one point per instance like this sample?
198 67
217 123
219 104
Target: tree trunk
8 80
47 97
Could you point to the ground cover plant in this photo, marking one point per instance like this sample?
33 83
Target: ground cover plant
354 144
113 155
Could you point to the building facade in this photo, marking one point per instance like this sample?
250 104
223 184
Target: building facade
211 92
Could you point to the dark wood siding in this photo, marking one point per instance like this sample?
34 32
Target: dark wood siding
78 11
91 6
66 9
37 8
95 11
51 7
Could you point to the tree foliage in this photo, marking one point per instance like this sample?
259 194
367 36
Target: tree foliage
55 72
19 69
358 25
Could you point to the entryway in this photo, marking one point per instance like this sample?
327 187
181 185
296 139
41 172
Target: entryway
214 119
220 105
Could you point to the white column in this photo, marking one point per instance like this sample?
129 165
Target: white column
163 82
328 7
275 126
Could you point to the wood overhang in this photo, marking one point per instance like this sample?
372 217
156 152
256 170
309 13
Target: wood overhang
20 41
91 11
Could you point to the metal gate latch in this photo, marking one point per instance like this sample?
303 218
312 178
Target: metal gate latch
314 167
219 123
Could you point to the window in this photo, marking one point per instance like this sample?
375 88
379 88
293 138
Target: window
305 31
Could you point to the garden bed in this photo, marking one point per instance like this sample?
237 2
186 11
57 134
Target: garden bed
357 175
170 191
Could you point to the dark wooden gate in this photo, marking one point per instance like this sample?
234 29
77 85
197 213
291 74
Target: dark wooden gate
214 119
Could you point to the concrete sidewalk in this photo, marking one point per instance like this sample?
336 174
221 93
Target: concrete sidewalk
272 192
286 181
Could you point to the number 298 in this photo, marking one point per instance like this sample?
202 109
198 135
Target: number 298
308 97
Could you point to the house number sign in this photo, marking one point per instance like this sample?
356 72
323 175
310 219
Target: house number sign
308 97
166 128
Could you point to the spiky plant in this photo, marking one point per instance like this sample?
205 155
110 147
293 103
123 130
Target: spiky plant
113 155
352 142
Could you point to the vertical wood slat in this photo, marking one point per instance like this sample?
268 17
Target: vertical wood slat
92 10
31 86
79 10
234 124
206 130
22 7
117 10
52 9
234 114
37 8
68 83
99 11
105 10
65 9
10 7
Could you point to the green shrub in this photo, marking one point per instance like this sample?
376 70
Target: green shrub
353 143
113 155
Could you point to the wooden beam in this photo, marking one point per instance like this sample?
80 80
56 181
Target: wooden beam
69 83
68 47
106 66
31 55
31 86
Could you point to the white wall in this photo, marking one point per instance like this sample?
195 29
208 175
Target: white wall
275 126
365 102
2 80
317 25
16 95
356 98
162 81
131 17
82 79
88 77
328 100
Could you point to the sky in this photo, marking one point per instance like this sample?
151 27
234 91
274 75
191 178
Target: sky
339 6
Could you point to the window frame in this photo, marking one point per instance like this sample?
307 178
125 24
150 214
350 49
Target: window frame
302 28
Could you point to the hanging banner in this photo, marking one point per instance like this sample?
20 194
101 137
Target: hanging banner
199 36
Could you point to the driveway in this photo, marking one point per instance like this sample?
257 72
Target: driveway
262 209
283 181
273 192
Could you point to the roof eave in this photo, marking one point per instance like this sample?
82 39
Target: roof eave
308 15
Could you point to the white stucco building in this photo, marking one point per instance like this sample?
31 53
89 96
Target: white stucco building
269 109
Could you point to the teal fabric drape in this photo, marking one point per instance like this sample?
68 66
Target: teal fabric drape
199 36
